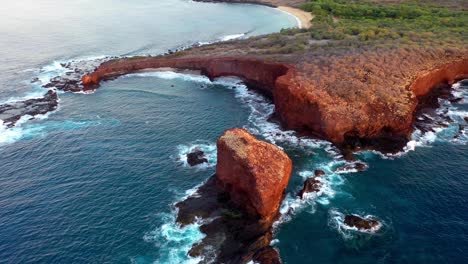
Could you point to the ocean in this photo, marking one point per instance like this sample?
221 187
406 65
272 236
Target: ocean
96 181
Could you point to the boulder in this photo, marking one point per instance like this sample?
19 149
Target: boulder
352 167
360 222
196 157
310 185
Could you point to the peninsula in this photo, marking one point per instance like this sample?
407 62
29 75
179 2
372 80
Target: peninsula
356 77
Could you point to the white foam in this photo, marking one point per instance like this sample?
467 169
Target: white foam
232 37
26 129
9 135
36 93
175 241
330 182
171 75
274 242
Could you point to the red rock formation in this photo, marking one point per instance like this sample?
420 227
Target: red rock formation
366 114
253 172
259 74
447 73
242 200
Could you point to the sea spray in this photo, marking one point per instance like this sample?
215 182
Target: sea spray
175 241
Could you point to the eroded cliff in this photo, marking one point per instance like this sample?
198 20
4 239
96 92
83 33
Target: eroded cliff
350 99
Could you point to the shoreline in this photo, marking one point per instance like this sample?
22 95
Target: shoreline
303 18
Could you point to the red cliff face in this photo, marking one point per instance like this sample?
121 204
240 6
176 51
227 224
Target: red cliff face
447 73
326 99
253 172
259 74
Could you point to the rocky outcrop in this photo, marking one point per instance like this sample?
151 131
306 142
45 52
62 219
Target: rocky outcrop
445 74
239 203
196 157
352 167
363 224
359 111
312 184
10 113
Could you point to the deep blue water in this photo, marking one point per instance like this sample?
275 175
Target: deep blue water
95 181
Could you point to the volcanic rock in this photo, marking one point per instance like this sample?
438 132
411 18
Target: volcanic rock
352 167
360 223
310 185
196 157
319 172
10 113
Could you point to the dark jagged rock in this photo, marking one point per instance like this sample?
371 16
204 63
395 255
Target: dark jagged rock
319 172
10 113
268 255
352 167
361 223
196 157
310 185
70 80
239 204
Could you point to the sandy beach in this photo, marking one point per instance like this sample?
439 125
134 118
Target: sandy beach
303 17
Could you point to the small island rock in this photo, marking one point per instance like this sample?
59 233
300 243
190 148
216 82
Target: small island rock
196 157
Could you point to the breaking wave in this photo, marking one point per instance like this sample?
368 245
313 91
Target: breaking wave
175 241
27 130
171 75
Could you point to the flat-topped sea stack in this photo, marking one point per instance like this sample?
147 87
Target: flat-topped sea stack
240 203
253 172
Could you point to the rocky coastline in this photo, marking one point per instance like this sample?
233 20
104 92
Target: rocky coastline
357 98
11 113
355 123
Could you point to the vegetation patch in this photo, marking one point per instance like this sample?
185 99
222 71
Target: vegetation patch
412 21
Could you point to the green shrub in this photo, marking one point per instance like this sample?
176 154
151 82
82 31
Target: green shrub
344 19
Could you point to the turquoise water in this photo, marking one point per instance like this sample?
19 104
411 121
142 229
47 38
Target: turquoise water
95 181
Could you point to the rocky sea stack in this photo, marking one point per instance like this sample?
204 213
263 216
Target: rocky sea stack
196 157
239 204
